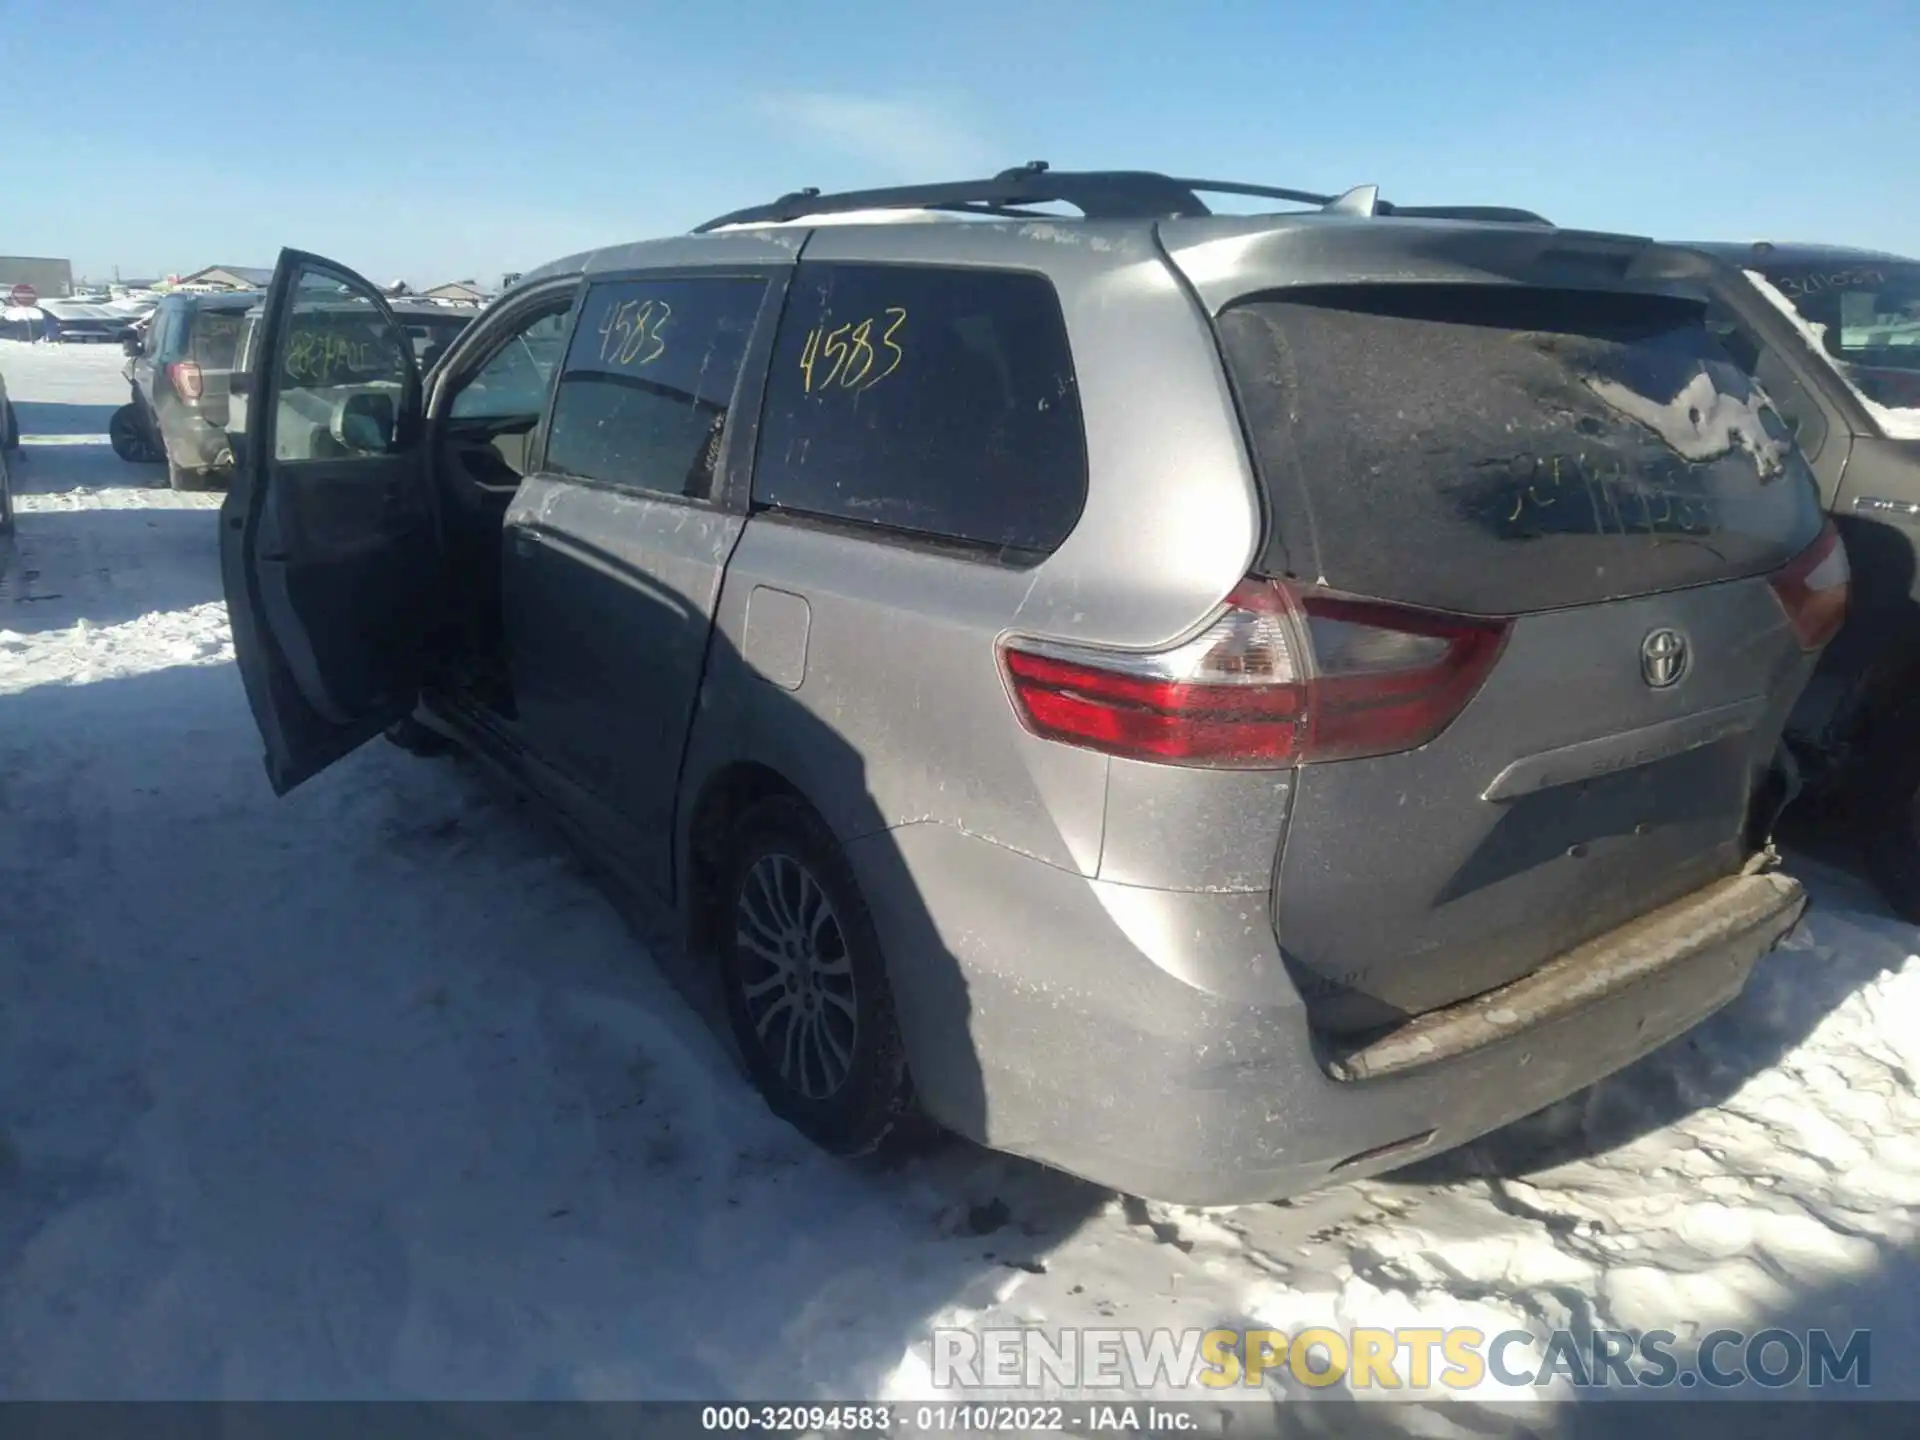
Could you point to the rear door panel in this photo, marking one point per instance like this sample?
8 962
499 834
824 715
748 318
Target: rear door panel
614 552
609 600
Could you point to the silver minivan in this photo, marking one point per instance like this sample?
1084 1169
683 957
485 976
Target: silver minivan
1211 703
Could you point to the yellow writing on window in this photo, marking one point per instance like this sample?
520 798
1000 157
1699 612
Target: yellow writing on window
855 356
633 332
326 357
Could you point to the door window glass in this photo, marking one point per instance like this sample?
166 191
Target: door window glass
513 384
649 381
342 374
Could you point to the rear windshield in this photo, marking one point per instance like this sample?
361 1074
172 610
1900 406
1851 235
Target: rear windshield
1496 451
215 338
431 335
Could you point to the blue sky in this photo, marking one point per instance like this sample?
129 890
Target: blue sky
432 139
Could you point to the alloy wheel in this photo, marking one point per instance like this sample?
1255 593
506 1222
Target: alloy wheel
796 977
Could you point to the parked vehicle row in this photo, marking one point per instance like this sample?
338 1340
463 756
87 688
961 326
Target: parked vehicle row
183 411
1212 703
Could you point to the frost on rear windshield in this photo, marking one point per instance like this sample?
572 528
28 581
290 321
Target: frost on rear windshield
1702 422
1498 450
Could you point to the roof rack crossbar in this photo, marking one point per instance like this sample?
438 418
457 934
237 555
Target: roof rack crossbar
1097 194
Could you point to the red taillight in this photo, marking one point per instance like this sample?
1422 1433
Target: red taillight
1282 676
1812 589
187 383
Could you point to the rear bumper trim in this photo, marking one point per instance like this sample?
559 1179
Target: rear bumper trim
1755 909
1590 759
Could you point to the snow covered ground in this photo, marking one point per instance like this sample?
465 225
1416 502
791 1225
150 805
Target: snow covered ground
368 1093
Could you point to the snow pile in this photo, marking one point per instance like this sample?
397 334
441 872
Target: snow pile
86 653
1897 424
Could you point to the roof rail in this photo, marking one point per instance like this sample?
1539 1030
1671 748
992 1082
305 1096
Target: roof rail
1097 194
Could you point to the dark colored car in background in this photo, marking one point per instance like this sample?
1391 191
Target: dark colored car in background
84 321
179 371
1832 335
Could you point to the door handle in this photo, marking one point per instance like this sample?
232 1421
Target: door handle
525 541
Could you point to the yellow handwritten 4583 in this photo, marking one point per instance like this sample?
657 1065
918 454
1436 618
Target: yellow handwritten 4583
631 333
849 356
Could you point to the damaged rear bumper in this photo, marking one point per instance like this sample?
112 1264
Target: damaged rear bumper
1130 1036
1741 916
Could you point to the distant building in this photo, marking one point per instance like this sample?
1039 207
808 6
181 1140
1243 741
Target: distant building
467 292
49 277
232 277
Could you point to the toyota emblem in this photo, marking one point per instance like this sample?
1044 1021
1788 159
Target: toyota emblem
1663 658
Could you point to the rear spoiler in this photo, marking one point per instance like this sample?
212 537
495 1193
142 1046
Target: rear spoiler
1225 260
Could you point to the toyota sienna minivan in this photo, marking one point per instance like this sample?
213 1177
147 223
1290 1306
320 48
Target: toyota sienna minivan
1213 703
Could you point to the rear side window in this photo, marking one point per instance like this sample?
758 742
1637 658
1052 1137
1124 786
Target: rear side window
432 336
160 335
649 380
935 401
1499 450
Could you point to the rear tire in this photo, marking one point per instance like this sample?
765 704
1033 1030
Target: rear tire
10 430
129 437
806 987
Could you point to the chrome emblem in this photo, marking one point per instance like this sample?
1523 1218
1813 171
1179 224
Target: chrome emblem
1663 658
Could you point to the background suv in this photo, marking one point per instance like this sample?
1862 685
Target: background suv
179 370
1212 703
